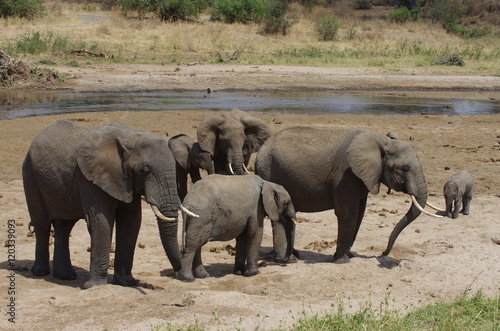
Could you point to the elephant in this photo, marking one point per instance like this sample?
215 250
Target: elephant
234 207
457 190
190 158
326 169
71 172
231 137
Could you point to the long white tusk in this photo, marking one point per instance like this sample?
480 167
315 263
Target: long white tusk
422 209
245 168
160 215
231 168
293 220
188 212
435 208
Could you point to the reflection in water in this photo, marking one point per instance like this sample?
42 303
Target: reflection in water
21 104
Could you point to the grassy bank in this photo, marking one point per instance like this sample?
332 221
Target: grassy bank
364 39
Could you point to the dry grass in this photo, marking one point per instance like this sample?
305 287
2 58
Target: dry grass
380 42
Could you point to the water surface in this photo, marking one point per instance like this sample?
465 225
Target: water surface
22 104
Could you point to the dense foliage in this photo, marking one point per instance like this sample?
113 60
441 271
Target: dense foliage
21 8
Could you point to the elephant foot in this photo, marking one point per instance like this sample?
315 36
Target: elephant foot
200 272
95 282
186 276
40 270
251 272
124 280
64 273
340 260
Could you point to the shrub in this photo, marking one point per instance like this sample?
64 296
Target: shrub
402 15
364 4
36 43
179 10
327 28
275 21
241 11
21 8
142 7
445 11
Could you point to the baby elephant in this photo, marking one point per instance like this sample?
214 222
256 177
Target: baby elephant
234 207
457 190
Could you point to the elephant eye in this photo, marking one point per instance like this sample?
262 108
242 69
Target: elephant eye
406 168
145 171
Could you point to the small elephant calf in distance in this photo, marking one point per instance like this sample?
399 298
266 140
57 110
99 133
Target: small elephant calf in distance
457 190
234 207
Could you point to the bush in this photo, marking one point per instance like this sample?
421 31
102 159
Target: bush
275 21
21 8
179 10
241 11
327 28
402 15
364 4
445 11
36 43
142 7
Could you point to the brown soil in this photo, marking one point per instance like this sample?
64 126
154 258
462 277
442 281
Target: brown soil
433 259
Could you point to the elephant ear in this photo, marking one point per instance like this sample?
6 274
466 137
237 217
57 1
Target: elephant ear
180 145
364 156
256 131
207 132
100 158
271 200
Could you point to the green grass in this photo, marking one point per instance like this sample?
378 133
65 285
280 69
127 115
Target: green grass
476 312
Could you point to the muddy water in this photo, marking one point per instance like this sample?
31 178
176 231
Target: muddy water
22 104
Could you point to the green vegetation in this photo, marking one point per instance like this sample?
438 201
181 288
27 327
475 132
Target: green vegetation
403 15
475 313
180 10
327 28
239 11
21 8
275 21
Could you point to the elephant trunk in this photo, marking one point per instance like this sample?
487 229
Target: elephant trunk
235 163
168 228
421 198
283 241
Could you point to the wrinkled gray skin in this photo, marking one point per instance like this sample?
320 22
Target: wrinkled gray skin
336 169
190 158
231 137
72 172
234 207
458 190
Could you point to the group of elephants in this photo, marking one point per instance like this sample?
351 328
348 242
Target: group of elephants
100 174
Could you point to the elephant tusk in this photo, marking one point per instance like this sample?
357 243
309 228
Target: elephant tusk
246 170
188 212
293 220
160 215
435 208
422 209
231 168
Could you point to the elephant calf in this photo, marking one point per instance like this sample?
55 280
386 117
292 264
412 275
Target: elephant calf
234 207
457 190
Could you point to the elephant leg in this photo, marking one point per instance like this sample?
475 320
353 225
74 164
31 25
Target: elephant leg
186 274
241 253
254 241
41 266
193 244
128 223
198 268
100 226
62 261
361 214
466 201
181 176
349 205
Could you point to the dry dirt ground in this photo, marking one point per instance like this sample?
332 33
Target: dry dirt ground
433 259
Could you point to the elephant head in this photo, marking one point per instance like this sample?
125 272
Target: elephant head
279 208
125 163
231 138
376 159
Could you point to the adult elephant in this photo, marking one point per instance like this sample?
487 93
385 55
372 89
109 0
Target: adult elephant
190 158
100 174
335 169
231 137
